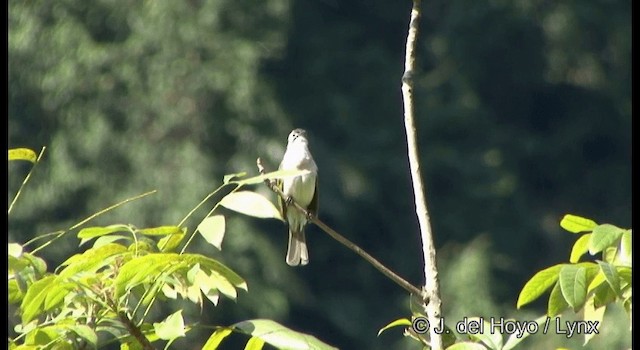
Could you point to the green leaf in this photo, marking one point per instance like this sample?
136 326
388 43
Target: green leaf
38 264
14 292
556 304
216 338
604 236
34 298
396 323
254 343
280 336
278 174
611 275
625 274
14 250
624 251
172 327
23 154
171 242
160 231
214 265
104 240
212 230
572 279
603 295
56 293
252 204
466 346
146 268
493 340
92 259
86 333
97 231
579 248
514 340
575 224
538 284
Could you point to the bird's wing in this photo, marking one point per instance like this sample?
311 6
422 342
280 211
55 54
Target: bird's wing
313 206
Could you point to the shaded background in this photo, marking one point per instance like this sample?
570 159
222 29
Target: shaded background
524 115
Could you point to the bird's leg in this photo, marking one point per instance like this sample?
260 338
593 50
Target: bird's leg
288 201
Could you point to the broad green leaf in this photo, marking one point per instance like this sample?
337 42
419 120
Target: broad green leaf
32 304
212 230
252 204
97 231
514 340
169 243
596 281
467 346
104 240
214 265
624 251
172 327
493 340
146 268
625 274
611 275
56 293
92 259
538 284
396 323
603 295
556 304
254 343
160 231
216 338
278 174
14 250
592 314
575 224
579 248
604 236
280 336
14 292
86 333
23 154
223 285
38 263
572 280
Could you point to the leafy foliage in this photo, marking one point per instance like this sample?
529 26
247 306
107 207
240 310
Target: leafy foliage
110 287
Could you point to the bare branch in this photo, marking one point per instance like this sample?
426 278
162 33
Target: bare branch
344 241
431 287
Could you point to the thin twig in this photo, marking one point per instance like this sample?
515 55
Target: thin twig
344 241
26 179
431 287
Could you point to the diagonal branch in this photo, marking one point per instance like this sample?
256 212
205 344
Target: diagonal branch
344 241
431 287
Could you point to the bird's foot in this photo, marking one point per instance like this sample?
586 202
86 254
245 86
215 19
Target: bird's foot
289 200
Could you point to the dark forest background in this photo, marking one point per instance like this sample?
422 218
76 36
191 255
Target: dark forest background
524 115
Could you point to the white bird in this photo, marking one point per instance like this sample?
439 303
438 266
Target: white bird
303 189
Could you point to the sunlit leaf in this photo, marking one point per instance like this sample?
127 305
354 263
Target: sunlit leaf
254 343
580 247
556 304
538 284
572 280
280 336
250 203
227 178
23 154
86 333
160 231
611 275
216 338
32 303
514 339
604 236
591 313
396 323
97 231
212 230
575 224
172 327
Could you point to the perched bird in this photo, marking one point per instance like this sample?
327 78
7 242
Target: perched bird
303 189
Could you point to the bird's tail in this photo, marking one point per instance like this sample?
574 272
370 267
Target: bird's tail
297 253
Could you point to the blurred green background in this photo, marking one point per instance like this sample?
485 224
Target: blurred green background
524 115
